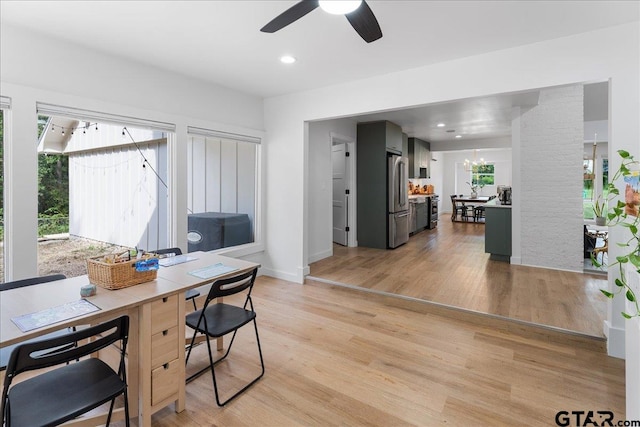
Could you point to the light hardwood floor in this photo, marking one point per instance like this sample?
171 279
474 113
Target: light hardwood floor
448 266
341 357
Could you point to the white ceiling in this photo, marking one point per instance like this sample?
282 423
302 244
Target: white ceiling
220 42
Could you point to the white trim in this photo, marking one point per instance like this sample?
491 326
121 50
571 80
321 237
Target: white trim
282 275
320 255
192 130
615 340
88 115
5 103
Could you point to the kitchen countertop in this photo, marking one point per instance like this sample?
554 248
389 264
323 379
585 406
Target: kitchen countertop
420 198
495 203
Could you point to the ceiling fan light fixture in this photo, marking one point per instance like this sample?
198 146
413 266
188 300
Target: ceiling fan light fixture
339 7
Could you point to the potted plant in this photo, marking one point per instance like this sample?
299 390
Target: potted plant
625 214
600 210
474 188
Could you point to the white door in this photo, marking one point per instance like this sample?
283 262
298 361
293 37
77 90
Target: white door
340 196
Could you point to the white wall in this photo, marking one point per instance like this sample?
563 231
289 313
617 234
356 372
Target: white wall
319 189
632 334
82 78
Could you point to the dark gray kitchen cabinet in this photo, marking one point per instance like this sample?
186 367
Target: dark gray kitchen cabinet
419 158
373 141
405 145
497 232
393 141
422 216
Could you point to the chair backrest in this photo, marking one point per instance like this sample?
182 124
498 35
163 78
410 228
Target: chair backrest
232 285
66 348
30 281
45 353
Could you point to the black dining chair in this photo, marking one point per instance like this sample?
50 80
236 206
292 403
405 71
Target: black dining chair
5 352
69 390
459 208
191 294
218 319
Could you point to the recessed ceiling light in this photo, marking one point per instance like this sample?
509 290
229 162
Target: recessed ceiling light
287 59
441 125
458 136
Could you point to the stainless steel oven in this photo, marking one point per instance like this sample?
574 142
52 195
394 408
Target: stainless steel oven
433 211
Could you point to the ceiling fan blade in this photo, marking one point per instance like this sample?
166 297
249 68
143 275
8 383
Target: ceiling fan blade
290 15
365 23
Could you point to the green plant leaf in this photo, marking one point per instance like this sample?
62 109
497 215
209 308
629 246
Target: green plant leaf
635 260
630 296
619 282
614 191
634 229
606 293
621 204
622 259
622 245
626 316
623 153
595 262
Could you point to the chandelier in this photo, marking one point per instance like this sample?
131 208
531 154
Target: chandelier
468 165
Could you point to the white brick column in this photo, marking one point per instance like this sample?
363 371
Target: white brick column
550 193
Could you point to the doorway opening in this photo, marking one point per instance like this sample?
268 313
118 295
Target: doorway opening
343 191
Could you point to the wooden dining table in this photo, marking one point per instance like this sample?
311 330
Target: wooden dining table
469 199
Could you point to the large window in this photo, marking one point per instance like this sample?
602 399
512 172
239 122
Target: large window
222 190
102 187
482 175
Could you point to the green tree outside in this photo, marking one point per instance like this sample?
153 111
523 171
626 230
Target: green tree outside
53 190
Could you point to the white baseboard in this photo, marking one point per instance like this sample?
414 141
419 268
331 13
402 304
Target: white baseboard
615 340
283 275
320 255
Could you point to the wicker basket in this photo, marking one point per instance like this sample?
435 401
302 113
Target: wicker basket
117 275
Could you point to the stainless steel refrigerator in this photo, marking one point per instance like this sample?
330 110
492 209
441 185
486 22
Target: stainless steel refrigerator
398 200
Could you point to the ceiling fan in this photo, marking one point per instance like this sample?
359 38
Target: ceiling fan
358 13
